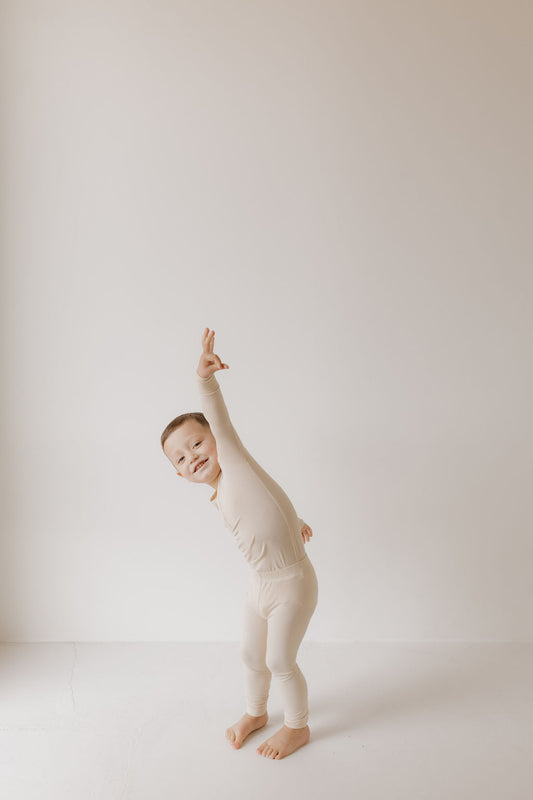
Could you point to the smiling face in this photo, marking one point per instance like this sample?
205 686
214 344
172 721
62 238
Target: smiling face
187 447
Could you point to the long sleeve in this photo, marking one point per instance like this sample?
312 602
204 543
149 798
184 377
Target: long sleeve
214 409
254 507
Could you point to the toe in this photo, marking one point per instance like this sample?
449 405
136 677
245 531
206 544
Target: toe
233 739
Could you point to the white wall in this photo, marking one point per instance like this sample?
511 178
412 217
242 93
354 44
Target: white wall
343 192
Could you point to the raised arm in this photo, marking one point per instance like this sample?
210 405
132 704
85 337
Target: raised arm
213 405
216 413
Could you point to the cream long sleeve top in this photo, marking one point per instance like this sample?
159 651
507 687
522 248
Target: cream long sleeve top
262 519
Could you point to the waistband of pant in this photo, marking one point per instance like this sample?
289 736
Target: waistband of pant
282 572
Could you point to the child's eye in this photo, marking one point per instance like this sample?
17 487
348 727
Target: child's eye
200 442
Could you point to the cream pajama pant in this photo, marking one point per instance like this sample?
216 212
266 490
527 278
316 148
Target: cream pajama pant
277 610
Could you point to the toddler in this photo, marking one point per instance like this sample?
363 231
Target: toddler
282 590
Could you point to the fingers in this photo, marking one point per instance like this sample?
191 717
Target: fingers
219 363
208 338
306 533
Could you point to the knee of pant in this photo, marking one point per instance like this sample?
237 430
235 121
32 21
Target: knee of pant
252 659
279 664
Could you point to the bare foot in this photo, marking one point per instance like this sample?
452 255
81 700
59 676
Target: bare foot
237 733
284 742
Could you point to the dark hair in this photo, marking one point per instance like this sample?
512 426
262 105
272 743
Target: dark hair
197 415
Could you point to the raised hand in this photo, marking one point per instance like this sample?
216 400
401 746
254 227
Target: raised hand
209 361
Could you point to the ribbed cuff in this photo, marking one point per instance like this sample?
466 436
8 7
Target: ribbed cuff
207 385
257 710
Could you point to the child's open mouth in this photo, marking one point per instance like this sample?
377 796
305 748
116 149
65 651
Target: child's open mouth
201 465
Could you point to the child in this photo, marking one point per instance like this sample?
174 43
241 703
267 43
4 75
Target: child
282 591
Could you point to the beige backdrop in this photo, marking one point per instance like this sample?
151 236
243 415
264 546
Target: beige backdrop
341 190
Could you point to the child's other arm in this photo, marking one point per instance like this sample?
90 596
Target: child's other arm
305 529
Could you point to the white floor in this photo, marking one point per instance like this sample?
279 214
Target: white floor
146 721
